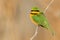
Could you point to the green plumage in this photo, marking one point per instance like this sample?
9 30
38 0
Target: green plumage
41 20
34 8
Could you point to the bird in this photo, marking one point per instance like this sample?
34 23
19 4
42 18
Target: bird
38 18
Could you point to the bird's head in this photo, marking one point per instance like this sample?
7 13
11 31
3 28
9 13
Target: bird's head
35 11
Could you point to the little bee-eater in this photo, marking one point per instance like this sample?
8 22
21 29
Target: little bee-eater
39 19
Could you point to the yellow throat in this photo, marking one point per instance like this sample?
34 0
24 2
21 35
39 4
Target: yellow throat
32 14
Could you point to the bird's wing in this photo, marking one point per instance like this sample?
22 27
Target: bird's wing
45 24
43 21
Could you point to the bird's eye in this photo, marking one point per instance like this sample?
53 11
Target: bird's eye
34 10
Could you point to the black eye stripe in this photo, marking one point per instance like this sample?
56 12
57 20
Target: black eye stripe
35 10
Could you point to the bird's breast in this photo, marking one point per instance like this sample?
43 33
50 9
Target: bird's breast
32 20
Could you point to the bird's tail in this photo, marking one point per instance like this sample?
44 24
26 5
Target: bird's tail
51 30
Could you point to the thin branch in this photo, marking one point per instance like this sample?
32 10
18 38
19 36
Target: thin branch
34 33
48 6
